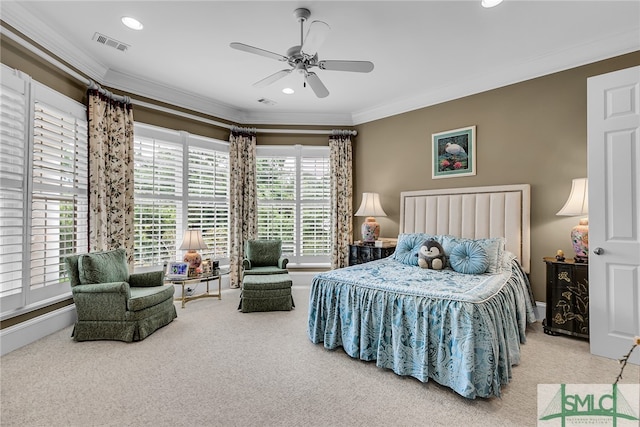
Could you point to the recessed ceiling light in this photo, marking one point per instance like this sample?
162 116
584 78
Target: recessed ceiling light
132 23
288 90
490 3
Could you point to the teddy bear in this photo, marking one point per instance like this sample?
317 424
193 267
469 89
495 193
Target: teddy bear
431 255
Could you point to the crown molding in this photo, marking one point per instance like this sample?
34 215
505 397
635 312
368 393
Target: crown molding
289 118
41 33
154 90
560 60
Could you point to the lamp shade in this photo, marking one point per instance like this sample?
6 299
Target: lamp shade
578 201
193 240
370 205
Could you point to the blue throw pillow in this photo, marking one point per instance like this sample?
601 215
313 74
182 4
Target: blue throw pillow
469 257
408 246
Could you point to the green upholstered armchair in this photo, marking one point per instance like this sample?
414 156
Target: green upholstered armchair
113 304
264 256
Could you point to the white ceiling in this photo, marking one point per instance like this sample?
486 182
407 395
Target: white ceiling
425 52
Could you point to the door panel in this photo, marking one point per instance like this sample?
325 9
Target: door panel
614 211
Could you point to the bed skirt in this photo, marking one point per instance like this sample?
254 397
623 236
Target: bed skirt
467 346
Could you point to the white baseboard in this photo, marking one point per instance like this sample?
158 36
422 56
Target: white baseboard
24 333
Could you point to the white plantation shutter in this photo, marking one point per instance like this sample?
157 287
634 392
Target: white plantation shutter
181 181
208 205
314 202
43 190
276 193
293 200
158 197
14 128
155 228
59 214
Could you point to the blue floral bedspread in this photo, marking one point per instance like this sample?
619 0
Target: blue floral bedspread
463 331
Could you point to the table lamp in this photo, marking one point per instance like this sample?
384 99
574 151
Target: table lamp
370 207
578 205
191 242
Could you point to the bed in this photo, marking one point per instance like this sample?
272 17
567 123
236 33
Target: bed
463 331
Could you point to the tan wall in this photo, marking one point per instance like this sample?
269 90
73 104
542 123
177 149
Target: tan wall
534 132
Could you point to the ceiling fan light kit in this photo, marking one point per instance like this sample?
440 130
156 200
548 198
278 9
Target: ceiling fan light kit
304 56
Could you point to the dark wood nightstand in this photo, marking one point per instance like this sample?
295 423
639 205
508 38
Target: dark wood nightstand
360 253
567 298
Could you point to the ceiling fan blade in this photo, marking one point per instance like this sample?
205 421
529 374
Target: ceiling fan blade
316 34
318 87
272 78
250 49
354 66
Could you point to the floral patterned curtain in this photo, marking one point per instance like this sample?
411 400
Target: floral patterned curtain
110 174
341 199
243 217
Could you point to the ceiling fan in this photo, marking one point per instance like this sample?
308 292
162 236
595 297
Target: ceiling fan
303 57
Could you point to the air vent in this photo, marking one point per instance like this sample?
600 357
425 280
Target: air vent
267 101
111 42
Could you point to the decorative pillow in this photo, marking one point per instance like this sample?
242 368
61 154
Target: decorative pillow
495 252
103 267
263 253
469 257
449 242
408 247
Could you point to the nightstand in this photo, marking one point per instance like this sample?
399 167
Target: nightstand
567 298
359 252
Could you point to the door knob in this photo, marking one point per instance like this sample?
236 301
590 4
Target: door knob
598 251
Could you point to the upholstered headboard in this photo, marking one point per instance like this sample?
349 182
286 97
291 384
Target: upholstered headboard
474 212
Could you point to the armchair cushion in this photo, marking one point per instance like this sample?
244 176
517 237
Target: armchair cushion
143 280
263 252
103 267
146 297
269 269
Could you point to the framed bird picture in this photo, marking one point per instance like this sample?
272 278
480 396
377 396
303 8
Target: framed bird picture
454 153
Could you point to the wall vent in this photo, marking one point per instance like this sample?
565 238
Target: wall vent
111 42
267 101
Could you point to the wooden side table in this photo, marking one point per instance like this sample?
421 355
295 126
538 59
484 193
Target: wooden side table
360 253
195 280
567 298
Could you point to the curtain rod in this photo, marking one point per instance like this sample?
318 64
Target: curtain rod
91 84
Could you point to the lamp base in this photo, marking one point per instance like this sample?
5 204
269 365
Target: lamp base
370 230
195 260
580 241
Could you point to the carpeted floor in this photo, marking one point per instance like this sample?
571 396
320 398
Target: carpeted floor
215 366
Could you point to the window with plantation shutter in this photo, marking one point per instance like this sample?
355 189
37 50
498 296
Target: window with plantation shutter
158 197
208 201
60 199
14 116
293 200
44 194
181 181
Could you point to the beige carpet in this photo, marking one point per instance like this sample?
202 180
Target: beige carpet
215 366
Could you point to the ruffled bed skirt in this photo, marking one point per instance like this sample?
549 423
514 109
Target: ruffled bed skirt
467 346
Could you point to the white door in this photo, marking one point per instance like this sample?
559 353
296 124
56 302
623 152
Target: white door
614 212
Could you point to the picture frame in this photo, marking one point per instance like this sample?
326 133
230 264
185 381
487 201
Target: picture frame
454 153
206 266
177 270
